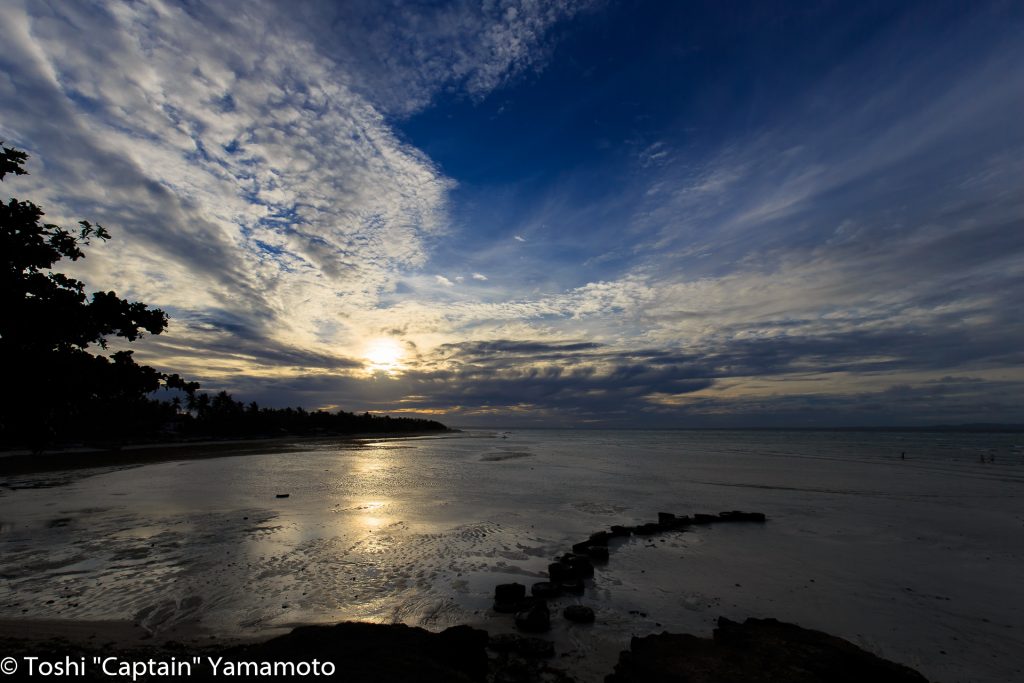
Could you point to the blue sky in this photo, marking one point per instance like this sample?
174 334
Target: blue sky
560 213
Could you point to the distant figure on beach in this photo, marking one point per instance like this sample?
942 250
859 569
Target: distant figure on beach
903 455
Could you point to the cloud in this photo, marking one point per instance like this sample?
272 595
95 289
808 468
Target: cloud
253 177
423 49
843 252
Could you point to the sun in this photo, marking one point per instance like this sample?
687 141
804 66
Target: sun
384 355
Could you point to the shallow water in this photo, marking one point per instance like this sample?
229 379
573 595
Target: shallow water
918 560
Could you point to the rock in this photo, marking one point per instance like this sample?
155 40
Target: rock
559 572
581 547
704 519
758 651
572 586
509 592
579 564
580 614
648 529
282 495
508 597
666 519
536 619
598 553
544 589
599 538
618 530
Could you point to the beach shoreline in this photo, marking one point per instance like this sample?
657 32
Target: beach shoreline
19 462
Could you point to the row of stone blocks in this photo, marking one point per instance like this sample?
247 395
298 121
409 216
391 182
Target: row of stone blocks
569 574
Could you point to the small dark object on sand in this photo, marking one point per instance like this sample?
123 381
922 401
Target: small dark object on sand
580 614
737 516
283 495
509 592
508 597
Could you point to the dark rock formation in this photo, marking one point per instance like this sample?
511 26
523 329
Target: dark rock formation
756 651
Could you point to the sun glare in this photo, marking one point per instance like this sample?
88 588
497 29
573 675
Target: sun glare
384 355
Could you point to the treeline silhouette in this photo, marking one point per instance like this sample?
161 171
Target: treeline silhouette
220 415
58 391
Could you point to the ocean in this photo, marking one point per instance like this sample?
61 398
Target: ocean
917 558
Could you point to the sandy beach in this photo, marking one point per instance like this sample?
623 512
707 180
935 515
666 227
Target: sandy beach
912 560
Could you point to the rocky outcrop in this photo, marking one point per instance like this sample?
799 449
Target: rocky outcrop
756 651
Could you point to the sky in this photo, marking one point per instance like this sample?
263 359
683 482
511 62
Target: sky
558 214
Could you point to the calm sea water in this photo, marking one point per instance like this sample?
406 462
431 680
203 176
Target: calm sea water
916 559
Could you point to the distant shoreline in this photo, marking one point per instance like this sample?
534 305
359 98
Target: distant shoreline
24 462
979 428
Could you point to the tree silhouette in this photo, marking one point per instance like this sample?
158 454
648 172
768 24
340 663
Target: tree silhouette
57 385
61 385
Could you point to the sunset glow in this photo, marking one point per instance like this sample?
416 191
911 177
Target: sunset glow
559 213
384 355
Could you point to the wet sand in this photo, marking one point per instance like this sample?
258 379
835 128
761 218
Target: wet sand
913 560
